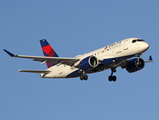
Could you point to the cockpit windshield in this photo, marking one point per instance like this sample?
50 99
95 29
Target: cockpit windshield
137 40
140 40
133 41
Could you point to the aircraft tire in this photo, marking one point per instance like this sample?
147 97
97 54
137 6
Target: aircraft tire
86 77
112 78
81 77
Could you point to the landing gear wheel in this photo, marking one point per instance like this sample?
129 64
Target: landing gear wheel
112 78
85 77
81 77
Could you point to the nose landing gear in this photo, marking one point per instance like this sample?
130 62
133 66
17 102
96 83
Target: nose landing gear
111 77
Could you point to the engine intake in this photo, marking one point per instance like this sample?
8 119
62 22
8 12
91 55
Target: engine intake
135 65
89 63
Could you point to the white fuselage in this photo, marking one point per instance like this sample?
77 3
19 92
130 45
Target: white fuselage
123 49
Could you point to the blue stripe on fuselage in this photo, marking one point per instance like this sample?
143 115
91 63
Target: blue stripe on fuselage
74 74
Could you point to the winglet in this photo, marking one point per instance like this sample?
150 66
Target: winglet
9 53
150 59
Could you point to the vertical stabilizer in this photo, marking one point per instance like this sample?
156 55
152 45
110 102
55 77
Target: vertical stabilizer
48 51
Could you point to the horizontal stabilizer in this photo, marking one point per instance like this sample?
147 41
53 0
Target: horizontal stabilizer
35 71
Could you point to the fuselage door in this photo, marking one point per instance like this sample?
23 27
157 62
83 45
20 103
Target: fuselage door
125 46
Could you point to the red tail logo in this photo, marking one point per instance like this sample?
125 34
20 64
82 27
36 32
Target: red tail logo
48 51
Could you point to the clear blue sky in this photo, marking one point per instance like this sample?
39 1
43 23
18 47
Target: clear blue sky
75 27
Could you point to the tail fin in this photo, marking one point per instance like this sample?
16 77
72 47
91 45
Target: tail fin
48 51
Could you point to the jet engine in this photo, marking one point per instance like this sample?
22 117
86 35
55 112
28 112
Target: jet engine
89 63
135 64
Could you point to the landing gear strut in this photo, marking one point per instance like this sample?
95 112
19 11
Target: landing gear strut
111 77
138 57
84 76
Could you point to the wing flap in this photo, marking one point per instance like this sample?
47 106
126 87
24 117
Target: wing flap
35 71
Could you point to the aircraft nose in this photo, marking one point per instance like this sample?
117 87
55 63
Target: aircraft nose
145 46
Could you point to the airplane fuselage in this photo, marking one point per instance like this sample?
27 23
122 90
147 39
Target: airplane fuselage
110 56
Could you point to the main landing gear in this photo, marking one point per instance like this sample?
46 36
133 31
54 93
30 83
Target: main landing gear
84 76
111 77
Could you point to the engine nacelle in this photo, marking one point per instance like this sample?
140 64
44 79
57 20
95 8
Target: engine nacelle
135 65
89 63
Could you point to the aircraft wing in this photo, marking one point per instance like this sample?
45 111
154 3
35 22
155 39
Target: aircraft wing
56 60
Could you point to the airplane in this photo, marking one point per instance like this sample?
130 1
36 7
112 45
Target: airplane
118 54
